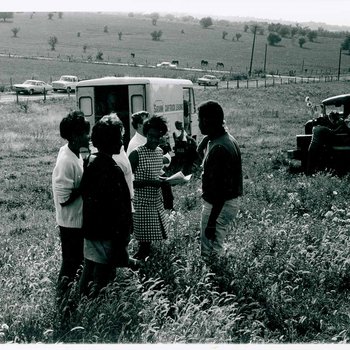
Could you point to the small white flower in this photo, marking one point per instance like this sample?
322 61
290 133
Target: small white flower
4 327
329 214
335 193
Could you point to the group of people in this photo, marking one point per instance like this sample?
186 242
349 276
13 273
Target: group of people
324 130
116 193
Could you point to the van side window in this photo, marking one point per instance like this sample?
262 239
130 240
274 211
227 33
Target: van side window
137 103
85 105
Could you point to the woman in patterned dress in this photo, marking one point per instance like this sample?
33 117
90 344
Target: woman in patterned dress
146 162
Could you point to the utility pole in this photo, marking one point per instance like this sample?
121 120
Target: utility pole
251 57
265 58
339 64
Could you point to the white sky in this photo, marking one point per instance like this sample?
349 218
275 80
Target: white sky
327 11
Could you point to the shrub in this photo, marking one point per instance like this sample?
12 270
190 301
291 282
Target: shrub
273 39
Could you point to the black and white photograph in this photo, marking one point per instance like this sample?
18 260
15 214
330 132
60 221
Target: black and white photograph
175 173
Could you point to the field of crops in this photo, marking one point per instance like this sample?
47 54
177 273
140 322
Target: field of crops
285 277
186 42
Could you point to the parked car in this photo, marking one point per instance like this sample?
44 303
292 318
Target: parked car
208 80
65 83
166 65
32 87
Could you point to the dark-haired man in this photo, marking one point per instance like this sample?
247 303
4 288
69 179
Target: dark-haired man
221 179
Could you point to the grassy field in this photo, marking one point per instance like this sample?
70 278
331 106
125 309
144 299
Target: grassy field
285 277
189 49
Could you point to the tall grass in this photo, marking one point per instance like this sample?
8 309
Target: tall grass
285 276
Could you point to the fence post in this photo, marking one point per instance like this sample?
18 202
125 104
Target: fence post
281 81
257 83
237 84
273 81
44 94
17 97
247 83
227 84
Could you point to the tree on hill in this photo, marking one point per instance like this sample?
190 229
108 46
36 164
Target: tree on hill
238 36
60 15
6 15
50 15
273 39
245 28
301 41
156 35
312 35
99 55
346 44
284 31
187 19
120 34
105 29
206 22
224 34
52 42
154 17
170 17
254 28
294 31
15 31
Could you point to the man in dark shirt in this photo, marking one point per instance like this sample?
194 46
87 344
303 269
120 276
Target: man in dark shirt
221 178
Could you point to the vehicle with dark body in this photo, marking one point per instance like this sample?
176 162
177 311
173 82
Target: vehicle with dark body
337 155
32 87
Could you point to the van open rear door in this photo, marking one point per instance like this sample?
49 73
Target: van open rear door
137 101
85 102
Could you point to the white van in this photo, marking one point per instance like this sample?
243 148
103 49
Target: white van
171 98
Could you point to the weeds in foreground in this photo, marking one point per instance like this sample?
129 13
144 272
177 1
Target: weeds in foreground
285 277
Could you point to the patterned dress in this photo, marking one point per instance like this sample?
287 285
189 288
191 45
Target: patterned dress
150 222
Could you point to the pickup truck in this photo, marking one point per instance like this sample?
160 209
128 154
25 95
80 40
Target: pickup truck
66 83
338 152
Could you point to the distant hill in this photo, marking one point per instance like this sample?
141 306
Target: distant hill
310 24
82 39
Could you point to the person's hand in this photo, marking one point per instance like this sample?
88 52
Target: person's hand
210 232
